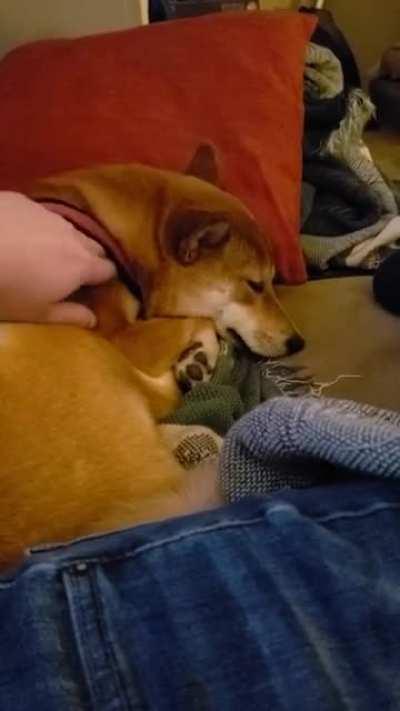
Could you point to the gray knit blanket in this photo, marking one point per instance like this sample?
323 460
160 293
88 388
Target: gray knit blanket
306 441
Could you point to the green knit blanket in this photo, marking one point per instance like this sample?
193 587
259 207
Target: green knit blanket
239 383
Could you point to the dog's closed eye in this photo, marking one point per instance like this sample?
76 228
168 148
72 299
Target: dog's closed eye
256 286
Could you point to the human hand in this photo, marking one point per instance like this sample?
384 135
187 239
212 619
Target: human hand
43 260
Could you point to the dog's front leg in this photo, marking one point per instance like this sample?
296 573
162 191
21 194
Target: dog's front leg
196 363
167 353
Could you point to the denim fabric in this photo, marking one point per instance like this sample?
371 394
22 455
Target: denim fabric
285 603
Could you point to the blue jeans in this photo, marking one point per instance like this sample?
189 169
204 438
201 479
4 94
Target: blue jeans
290 602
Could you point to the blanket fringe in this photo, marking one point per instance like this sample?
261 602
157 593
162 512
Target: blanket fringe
317 389
288 379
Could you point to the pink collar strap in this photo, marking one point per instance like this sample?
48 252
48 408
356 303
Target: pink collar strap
92 228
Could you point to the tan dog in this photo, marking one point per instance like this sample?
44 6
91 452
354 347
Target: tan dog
81 452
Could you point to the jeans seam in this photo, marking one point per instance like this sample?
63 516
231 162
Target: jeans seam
374 508
103 634
159 544
74 603
224 526
78 586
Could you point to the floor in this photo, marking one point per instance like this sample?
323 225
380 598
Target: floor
385 148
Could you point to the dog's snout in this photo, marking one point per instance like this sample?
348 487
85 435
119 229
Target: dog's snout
294 344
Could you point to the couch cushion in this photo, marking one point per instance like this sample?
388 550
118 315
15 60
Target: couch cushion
151 94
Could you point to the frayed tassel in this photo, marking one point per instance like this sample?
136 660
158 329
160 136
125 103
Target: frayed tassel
288 379
317 389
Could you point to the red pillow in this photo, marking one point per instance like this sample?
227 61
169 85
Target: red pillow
151 94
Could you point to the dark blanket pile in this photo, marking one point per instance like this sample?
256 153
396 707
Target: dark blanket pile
341 202
345 199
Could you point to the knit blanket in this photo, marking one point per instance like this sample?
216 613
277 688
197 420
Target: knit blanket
240 382
323 72
300 442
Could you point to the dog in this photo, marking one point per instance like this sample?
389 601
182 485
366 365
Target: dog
81 450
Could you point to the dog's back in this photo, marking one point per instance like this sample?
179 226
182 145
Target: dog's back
80 451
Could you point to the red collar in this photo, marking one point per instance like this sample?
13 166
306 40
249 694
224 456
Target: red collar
92 228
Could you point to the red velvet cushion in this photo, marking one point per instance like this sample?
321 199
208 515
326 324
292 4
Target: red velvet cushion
151 94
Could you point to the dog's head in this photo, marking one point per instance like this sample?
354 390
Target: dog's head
217 264
191 248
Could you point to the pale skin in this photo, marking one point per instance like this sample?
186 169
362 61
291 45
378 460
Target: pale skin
43 261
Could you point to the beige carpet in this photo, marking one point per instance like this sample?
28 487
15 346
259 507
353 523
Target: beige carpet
385 148
347 334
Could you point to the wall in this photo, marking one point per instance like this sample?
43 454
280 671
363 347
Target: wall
26 20
278 4
370 27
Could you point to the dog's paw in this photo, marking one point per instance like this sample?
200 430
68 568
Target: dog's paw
197 362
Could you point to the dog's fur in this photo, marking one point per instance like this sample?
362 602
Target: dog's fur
80 449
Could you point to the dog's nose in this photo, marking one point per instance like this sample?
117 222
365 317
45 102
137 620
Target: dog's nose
294 344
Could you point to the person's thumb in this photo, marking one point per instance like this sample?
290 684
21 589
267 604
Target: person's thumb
69 312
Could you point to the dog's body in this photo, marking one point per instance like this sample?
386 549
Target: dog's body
81 451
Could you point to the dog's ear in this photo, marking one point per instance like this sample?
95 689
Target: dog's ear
191 234
204 164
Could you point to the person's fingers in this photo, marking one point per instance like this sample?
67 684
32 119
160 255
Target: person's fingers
98 271
69 312
89 244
